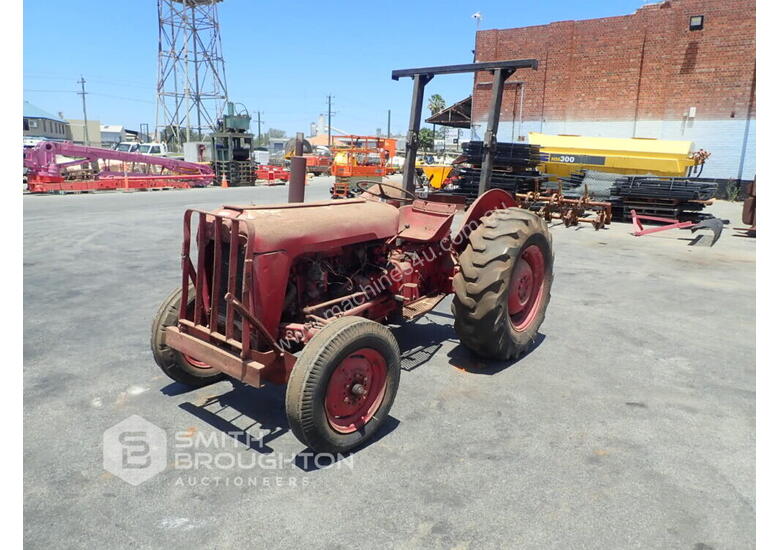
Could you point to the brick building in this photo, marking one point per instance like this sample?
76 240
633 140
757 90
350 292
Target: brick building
679 69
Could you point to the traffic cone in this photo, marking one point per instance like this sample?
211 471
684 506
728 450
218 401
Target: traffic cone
224 184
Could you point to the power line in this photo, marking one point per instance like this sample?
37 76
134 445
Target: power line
49 91
122 97
109 82
112 96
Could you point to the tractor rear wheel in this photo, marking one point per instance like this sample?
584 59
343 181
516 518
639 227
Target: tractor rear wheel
503 286
343 384
179 367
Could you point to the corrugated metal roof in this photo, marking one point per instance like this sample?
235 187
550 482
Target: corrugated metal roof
32 111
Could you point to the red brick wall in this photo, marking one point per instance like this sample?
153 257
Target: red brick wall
646 65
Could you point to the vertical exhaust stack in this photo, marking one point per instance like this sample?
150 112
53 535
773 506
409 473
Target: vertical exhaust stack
297 187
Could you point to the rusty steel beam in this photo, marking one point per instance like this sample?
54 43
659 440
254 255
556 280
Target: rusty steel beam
490 138
413 135
501 70
467 68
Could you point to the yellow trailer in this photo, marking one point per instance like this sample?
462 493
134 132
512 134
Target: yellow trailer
564 154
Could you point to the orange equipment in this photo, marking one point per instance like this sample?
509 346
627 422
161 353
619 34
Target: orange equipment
359 158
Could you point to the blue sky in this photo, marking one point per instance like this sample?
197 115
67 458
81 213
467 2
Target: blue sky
281 57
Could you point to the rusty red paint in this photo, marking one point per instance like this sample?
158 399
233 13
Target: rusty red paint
236 324
670 223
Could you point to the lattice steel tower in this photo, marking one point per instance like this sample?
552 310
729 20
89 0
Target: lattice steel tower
191 86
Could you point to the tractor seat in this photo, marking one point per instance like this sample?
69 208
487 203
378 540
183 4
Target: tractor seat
424 221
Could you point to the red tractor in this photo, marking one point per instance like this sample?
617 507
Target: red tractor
319 279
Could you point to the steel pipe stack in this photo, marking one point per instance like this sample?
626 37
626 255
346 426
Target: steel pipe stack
514 168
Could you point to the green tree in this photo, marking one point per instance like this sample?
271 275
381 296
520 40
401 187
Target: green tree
426 138
265 138
436 104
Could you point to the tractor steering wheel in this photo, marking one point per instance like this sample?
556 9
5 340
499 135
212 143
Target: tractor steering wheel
365 185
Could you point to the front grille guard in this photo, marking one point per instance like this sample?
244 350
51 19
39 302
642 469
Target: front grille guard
203 321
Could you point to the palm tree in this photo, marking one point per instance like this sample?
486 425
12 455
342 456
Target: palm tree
436 104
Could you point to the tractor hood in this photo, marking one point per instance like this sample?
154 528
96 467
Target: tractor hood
300 228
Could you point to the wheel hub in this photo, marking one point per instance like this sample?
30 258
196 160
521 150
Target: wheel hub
355 390
525 287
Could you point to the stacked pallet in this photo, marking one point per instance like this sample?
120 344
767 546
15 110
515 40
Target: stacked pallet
679 198
514 169
238 173
665 188
676 198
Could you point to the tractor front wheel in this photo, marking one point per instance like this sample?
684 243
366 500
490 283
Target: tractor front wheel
343 385
503 286
179 367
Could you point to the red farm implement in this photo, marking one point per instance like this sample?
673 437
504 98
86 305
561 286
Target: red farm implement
62 167
272 173
664 224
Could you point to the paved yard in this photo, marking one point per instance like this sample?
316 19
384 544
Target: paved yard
631 425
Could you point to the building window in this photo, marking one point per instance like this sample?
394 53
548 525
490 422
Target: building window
696 23
33 123
26 124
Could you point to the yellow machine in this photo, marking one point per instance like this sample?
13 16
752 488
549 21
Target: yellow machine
564 154
436 173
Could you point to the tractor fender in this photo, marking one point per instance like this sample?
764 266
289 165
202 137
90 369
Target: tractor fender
494 199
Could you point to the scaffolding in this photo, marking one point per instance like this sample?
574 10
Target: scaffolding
191 85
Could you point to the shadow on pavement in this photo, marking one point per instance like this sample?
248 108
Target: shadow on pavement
175 388
462 358
420 342
242 412
309 461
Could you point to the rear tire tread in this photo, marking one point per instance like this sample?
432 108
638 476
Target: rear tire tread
481 285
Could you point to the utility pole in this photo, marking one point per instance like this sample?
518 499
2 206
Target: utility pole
330 137
259 128
388 123
83 95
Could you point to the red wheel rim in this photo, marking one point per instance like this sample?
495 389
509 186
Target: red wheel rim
525 288
191 360
195 363
355 390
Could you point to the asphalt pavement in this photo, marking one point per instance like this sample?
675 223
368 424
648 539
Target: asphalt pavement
630 425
